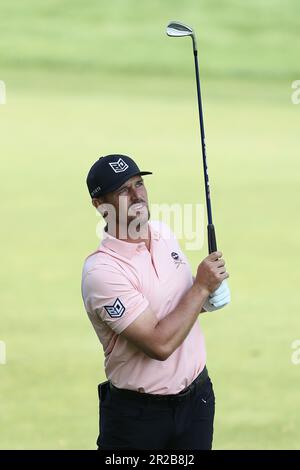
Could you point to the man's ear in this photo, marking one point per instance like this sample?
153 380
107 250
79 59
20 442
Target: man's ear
98 202
95 202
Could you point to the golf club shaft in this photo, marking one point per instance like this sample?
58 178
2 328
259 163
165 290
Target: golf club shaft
212 242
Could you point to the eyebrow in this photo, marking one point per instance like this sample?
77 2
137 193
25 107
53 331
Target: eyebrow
126 186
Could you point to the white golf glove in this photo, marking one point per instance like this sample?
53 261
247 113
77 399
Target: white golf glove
218 299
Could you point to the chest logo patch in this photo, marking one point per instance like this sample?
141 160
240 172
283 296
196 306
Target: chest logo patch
116 310
177 259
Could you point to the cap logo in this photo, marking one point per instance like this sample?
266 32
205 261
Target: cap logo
119 166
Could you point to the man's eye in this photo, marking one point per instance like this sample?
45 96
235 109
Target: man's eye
139 183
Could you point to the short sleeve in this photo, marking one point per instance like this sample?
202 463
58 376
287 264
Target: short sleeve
108 294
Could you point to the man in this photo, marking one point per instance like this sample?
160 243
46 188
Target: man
144 303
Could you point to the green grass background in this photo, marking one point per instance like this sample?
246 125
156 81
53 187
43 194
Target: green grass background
89 78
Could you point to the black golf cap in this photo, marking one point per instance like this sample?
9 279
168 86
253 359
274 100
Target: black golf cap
110 172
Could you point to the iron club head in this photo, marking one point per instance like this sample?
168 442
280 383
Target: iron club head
176 29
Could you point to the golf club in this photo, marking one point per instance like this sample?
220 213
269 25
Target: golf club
178 30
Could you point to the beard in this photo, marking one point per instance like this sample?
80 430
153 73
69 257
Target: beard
137 222
134 223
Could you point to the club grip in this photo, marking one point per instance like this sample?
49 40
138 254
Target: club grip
211 235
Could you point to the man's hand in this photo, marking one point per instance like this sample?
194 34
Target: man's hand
211 273
218 299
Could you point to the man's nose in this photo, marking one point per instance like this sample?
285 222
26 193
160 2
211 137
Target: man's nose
133 195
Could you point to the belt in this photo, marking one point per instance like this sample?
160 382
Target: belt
185 393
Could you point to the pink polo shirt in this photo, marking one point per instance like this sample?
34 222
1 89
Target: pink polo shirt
119 282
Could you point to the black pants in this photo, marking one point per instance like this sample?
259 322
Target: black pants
176 422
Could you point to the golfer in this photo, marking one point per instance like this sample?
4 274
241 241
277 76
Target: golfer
144 303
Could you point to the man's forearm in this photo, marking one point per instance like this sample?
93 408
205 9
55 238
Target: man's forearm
172 330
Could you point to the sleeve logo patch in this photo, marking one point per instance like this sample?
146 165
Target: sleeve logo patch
116 310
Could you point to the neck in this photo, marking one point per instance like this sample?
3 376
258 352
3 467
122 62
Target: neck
121 233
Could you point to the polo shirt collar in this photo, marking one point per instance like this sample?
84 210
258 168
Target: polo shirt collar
125 248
